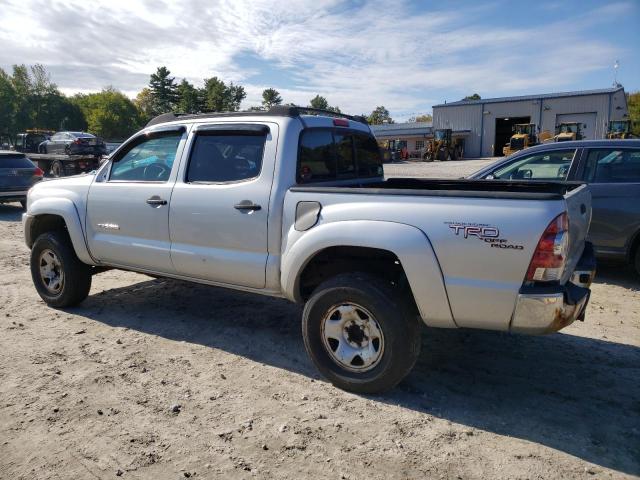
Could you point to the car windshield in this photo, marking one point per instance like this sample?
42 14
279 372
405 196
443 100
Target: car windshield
541 166
15 161
439 135
82 134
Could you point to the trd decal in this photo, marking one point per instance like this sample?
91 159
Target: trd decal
487 233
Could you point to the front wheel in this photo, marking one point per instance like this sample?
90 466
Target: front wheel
361 332
59 276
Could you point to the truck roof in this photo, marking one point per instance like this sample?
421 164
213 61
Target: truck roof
306 114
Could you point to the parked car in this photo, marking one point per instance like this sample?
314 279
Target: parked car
293 205
612 170
73 143
17 175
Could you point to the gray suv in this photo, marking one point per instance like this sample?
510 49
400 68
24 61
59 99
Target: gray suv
612 170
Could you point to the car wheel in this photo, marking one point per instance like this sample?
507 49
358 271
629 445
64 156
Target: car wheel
56 168
59 276
67 150
361 332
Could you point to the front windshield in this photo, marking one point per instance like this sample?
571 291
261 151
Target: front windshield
618 126
440 135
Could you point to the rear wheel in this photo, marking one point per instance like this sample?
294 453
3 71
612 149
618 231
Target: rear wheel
361 332
59 276
56 168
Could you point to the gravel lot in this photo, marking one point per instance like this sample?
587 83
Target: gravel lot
154 379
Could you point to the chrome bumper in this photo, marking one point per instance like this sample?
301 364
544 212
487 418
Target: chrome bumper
549 309
538 313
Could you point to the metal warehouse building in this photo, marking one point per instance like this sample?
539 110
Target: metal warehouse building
490 121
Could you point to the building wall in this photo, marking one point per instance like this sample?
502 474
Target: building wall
543 112
463 117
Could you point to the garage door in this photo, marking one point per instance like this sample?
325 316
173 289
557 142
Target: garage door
588 119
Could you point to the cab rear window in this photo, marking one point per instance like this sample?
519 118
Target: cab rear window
328 154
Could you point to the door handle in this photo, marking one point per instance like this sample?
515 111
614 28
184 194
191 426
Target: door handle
156 201
247 205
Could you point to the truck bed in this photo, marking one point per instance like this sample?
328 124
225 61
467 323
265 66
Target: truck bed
452 188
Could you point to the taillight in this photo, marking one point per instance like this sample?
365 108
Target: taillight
550 256
38 172
340 122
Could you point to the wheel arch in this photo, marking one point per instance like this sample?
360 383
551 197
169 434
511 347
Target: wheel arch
349 245
54 214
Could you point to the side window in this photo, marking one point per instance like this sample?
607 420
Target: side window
553 165
612 166
345 160
316 161
225 157
369 157
148 159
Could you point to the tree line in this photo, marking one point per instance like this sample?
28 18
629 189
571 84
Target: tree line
30 99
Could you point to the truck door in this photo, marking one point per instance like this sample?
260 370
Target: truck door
220 204
128 204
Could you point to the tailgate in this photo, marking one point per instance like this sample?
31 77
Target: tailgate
579 211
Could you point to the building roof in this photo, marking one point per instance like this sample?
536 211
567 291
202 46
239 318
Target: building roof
579 93
401 129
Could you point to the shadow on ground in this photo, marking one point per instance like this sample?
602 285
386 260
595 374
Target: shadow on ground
574 394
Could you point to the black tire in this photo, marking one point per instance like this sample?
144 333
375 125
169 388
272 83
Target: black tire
76 275
56 168
394 314
67 150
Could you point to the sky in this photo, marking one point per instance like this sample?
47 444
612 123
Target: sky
405 55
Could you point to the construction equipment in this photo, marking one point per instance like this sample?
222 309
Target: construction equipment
524 135
620 129
443 147
568 131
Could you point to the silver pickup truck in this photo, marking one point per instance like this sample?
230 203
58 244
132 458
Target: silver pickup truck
294 204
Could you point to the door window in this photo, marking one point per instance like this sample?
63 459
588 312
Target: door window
345 160
368 155
612 166
147 159
226 157
552 165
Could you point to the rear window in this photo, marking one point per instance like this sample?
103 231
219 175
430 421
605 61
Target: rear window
329 154
15 161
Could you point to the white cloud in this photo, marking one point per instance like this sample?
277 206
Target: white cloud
358 56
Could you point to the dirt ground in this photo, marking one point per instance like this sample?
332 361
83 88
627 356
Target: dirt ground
160 379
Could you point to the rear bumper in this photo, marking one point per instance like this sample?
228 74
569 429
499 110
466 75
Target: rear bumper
542 310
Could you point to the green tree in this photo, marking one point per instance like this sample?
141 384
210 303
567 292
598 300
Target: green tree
21 82
421 118
271 97
145 104
379 116
633 104
475 96
109 113
219 97
321 103
7 104
163 90
189 98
